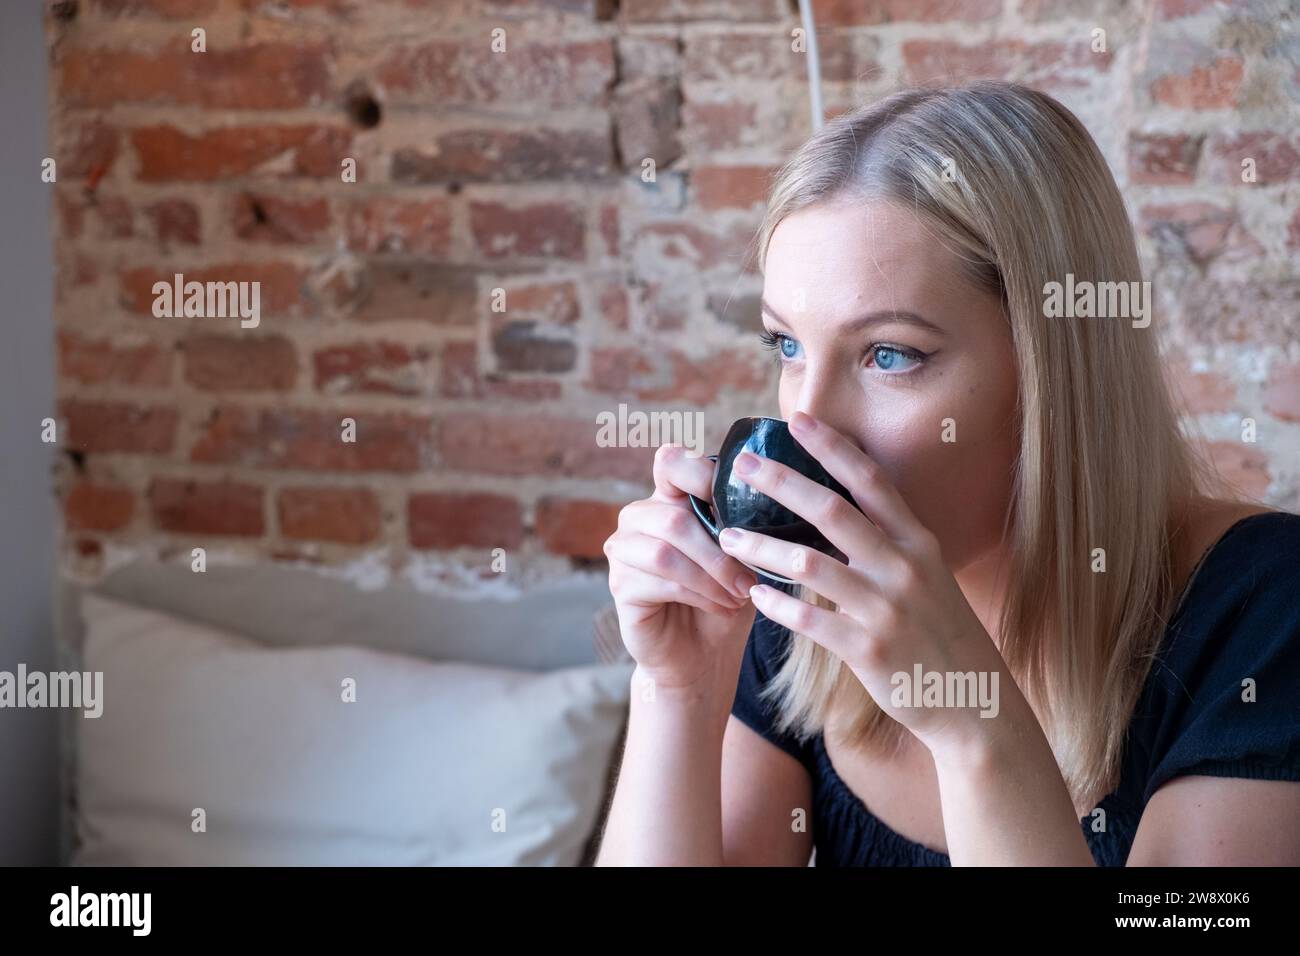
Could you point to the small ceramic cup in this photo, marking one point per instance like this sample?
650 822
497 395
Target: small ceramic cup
737 504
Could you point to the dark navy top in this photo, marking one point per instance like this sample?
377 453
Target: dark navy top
1238 618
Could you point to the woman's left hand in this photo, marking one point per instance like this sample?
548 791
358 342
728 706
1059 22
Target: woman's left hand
899 606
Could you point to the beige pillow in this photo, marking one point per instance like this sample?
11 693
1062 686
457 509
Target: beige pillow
433 764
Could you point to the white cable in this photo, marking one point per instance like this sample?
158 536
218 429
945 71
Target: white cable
814 64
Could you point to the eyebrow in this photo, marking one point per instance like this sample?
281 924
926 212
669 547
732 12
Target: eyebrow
871 318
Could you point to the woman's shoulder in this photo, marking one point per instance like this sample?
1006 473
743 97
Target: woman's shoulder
1221 694
1212 528
1248 568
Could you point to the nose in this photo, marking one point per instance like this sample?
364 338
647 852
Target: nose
818 396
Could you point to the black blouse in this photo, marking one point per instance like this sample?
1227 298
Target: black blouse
1239 618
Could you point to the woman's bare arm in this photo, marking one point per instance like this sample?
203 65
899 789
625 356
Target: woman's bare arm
766 802
697 787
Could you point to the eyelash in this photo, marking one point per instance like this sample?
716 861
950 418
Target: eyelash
772 340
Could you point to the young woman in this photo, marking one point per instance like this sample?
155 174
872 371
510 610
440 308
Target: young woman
1031 514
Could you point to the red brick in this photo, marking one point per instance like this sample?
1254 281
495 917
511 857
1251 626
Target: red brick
387 224
460 378
1204 392
104 361
468 72
647 119
726 57
496 155
575 528
1045 64
1156 159
88 149
312 440
341 515
88 548
168 154
853 13
730 187
648 11
613 305
170 9
95 507
1213 86
1282 394
537 445
1260 311
653 376
413 288
534 333
555 303
110 217
267 218
239 363
345 8
281 287
261 76
716 126
521 345
207 507
444 520
1199 231
118 427
1098 12
1276 156
641 56
848 56
382 367
174 220
1175 9
542 230
609 230
660 305
696 246
72 215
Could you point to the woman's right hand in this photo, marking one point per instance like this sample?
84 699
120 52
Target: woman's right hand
682 601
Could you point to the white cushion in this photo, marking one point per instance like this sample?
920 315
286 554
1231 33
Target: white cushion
433 764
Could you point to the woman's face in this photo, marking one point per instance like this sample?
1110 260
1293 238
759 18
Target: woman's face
879 334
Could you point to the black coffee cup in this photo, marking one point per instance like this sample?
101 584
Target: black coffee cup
740 505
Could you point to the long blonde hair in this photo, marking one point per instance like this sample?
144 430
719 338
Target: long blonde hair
1027 197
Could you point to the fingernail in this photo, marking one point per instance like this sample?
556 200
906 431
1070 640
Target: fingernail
731 537
746 463
742 585
802 422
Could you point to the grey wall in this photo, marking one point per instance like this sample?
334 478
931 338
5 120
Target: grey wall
28 754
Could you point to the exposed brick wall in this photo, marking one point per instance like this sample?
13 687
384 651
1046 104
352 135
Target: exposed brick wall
522 171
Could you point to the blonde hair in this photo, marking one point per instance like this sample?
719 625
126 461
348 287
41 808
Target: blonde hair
1102 461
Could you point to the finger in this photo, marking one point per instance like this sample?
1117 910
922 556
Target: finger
647 590
859 473
680 528
835 517
834 631
678 472
828 577
657 557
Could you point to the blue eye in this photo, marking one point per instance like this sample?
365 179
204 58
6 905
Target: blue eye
779 342
888 358
891 359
